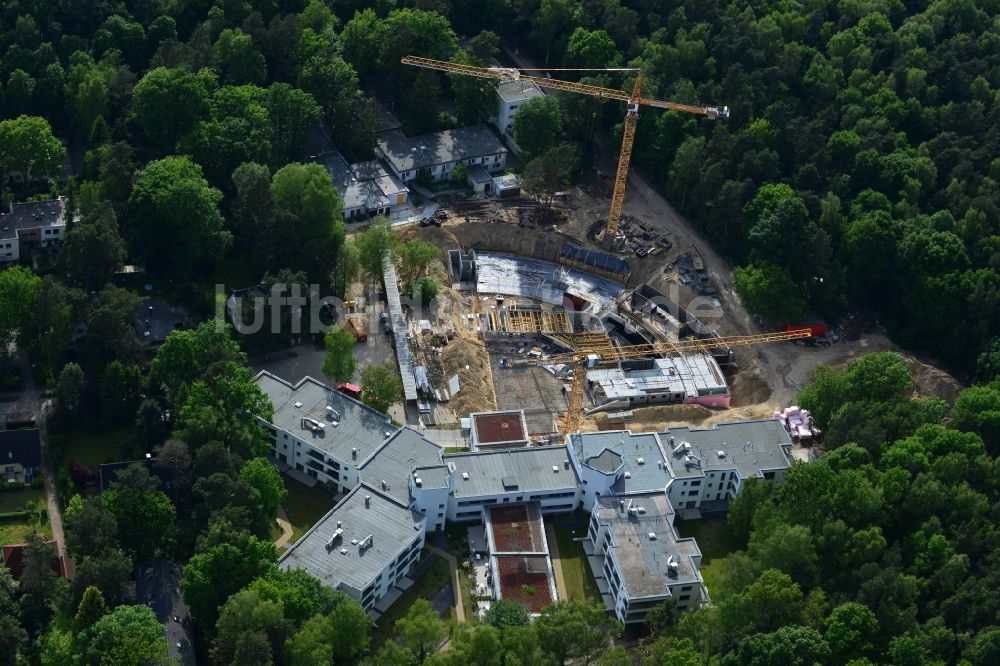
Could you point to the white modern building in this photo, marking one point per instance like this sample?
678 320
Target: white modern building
364 546
30 225
510 96
395 486
688 378
439 153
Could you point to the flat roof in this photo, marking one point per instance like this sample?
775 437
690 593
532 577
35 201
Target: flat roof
418 152
478 174
652 474
392 526
434 476
543 281
30 215
359 427
513 470
156 318
749 446
395 459
514 91
643 561
496 427
691 375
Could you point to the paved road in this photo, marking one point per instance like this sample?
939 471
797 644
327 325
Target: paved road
31 401
286 529
453 567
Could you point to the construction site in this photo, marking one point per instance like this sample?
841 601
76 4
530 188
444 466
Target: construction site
598 308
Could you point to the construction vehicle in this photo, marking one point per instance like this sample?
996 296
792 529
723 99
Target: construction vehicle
634 100
591 356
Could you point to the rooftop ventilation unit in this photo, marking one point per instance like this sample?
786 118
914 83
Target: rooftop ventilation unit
628 475
385 485
354 542
367 542
354 453
652 536
555 468
565 464
298 404
640 460
641 510
465 476
418 481
721 453
368 501
343 551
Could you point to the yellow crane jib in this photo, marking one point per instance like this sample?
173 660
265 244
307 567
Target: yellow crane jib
634 101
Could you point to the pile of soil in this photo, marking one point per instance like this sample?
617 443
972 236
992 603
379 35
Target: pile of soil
467 358
749 388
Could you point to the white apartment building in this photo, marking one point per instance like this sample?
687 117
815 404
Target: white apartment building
364 547
439 153
510 96
31 224
397 486
638 559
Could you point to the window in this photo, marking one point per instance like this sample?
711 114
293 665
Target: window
696 483
684 597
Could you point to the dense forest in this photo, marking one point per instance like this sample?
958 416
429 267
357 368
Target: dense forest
858 172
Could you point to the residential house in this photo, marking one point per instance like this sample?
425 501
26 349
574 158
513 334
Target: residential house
510 96
367 188
29 226
20 455
155 319
439 153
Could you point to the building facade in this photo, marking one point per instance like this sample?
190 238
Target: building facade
438 154
31 225
395 486
510 96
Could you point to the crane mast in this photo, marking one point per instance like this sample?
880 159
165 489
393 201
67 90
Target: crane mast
633 100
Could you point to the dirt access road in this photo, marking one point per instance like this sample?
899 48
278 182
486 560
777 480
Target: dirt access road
770 376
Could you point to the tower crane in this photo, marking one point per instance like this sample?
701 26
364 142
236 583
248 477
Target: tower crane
585 358
633 102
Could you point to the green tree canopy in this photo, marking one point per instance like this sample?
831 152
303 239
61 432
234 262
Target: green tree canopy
173 206
27 145
127 635
537 125
339 363
381 386
167 103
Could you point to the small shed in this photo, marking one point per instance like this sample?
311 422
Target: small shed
507 185
480 180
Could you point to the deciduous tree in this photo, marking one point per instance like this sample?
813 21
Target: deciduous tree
173 206
381 386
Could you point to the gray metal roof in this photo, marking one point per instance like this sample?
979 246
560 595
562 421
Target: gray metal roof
392 527
359 427
420 152
643 562
394 461
643 477
749 446
435 476
606 461
516 470
30 215
513 91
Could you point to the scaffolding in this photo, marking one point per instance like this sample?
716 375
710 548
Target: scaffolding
399 332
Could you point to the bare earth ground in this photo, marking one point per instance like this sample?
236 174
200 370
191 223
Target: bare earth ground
769 376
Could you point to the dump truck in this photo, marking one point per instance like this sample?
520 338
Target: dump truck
355 325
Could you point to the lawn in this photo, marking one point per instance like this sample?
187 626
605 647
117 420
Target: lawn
95 448
715 541
580 583
427 586
304 506
14 530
